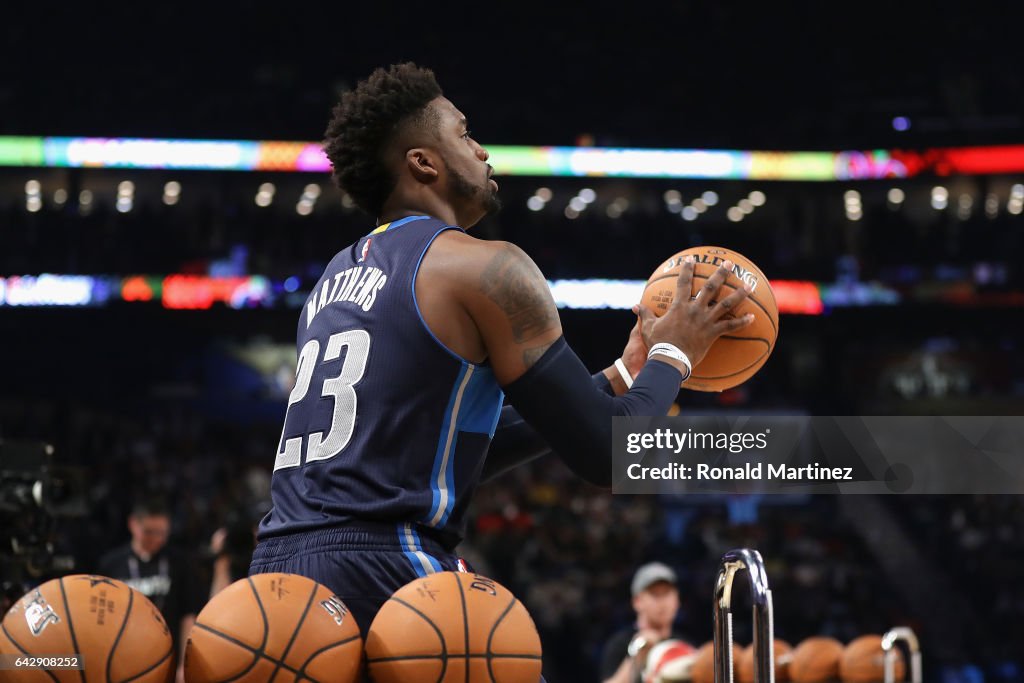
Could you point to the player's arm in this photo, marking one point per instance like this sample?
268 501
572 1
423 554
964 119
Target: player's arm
515 314
516 443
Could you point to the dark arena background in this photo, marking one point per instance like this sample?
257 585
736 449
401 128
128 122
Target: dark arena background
868 157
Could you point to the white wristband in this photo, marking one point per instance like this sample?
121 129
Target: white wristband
623 372
672 351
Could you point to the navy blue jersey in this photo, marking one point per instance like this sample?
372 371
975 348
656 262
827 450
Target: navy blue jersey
385 424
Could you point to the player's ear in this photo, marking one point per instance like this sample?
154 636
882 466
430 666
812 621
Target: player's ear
423 163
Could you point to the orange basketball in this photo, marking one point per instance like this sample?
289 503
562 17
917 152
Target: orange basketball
279 627
453 626
863 661
703 670
745 662
735 357
114 631
816 660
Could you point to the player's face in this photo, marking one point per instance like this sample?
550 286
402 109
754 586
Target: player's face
150 533
472 190
657 605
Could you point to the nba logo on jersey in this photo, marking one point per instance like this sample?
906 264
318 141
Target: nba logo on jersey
366 248
462 566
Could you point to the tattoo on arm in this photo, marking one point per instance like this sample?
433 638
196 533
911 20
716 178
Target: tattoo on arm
511 282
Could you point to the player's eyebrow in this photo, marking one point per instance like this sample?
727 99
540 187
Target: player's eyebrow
463 122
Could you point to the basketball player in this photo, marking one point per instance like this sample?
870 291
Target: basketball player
410 341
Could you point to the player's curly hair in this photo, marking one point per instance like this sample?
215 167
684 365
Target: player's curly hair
367 120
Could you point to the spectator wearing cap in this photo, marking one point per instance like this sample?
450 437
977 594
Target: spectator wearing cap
656 603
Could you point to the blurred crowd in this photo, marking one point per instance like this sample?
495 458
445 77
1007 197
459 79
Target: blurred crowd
567 549
977 542
570 550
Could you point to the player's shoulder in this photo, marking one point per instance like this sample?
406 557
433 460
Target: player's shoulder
478 270
467 255
463 241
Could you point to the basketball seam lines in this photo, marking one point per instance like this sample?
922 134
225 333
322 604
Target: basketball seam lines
298 627
266 634
143 673
263 613
760 339
302 671
444 645
24 651
259 654
71 628
465 618
490 636
741 370
120 631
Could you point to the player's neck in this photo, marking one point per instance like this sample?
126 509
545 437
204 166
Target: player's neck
398 214
403 204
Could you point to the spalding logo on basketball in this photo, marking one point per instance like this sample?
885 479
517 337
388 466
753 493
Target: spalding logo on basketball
715 258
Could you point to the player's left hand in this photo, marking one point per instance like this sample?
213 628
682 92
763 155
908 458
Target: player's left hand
635 354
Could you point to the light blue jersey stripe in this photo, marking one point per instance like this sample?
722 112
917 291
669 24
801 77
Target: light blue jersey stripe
433 560
479 409
422 563
442 480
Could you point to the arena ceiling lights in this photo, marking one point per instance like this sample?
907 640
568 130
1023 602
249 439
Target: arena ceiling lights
248 155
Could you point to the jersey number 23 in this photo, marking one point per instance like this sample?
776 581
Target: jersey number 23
325 445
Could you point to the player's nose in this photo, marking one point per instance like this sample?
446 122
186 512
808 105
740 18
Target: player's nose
482 153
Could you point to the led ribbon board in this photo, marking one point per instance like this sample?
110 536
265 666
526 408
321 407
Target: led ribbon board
249 155
200 292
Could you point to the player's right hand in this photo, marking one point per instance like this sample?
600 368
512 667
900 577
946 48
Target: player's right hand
694 323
